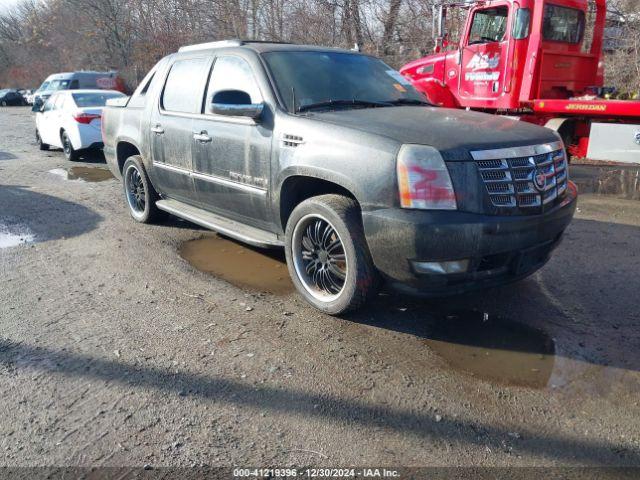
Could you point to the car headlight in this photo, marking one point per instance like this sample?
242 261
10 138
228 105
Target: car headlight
423 179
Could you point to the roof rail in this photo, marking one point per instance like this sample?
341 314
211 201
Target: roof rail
205 46
224 43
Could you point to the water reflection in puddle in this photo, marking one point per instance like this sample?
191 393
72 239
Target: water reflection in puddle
14 235
494 349
246 267
86 174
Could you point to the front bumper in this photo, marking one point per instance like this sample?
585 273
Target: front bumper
501 249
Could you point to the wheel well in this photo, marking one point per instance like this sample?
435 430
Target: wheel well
124 151
297 189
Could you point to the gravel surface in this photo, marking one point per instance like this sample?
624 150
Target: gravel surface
115 351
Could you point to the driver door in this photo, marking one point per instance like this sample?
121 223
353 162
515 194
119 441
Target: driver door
484 54
231 155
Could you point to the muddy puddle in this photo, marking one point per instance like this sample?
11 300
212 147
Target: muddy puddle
621 181
14 235
85 174
495 349
240 265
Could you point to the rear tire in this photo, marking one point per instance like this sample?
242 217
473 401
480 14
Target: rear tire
69 152
41 146
327 254
140 195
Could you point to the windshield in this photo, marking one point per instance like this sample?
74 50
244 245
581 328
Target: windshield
2 92
93 99
43 87
309 78
58 85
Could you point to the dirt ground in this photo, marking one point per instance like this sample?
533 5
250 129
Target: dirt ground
116 351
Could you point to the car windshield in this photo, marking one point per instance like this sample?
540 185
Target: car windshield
337 80
58 85
43 87
93 99
2 92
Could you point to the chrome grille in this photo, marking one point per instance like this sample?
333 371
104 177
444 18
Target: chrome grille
513 176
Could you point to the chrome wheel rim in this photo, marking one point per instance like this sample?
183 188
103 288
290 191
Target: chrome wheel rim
319 257
134 187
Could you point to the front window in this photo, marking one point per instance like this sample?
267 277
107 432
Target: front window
562 24
311 78
489 25
232 73
85 100
43 87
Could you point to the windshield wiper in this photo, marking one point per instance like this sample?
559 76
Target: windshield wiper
341 103
409 101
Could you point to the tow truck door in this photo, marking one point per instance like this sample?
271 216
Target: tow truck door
484 53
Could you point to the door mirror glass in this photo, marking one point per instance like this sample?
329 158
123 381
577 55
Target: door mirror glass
235 103
521 24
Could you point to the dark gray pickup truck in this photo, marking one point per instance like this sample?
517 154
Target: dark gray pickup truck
334 156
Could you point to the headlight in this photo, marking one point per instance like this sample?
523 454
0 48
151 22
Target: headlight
423 179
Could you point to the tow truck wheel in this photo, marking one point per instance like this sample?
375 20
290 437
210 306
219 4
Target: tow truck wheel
327 254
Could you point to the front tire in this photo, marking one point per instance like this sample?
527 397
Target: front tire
327 254
69 152
140 195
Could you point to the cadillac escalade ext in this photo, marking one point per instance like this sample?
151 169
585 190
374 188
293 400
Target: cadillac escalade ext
334 156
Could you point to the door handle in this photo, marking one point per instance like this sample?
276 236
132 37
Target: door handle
202 137
158 130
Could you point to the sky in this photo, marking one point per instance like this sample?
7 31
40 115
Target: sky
4 4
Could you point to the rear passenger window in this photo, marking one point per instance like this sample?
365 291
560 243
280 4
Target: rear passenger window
232 73
179 94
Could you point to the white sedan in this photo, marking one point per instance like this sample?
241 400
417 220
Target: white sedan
71 120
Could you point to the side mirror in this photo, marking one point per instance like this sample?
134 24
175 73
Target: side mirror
235 103
38 105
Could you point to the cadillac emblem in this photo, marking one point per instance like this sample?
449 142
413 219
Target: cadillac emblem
637 137
539 180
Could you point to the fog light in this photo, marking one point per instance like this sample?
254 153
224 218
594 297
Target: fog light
455 266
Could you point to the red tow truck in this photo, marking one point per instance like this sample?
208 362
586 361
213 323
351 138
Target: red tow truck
538 61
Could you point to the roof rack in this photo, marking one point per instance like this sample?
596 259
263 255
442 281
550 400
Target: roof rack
223 43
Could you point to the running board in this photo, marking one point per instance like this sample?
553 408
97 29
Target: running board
225 226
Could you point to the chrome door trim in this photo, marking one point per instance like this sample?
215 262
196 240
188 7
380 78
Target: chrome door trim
211 178
228 183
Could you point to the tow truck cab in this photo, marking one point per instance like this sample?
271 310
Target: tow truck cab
511 53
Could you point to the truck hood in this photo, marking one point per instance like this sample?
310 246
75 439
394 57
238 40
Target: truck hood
454 133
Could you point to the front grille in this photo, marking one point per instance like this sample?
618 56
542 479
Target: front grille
523 177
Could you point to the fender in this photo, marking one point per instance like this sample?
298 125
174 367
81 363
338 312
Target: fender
321 174
437 92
